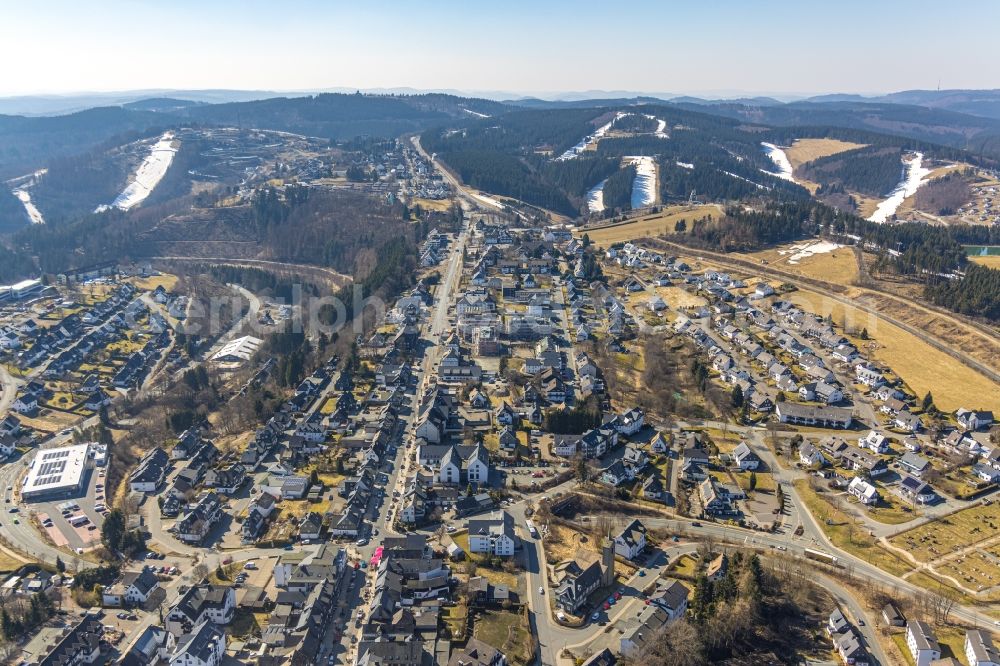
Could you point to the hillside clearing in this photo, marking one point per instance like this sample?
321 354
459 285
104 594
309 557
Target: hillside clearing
807 150
992 260
648 225
838 266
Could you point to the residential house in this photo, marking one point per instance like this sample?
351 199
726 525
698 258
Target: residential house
150 472
493 534
745 458
204 646
311 526
914 463
134 589
875 442
979 649
673 599
201 603
810 456
196 524
576 581
973 419
922 643
631 541
914 490
827 417
80 645
865 492
857 460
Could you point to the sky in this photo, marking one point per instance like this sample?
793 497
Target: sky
721 47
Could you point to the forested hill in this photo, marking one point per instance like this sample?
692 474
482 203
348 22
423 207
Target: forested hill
340 116
29 143
980 136
516 155
871 170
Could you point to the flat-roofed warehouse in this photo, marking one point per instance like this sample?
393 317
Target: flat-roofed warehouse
239 350
56 472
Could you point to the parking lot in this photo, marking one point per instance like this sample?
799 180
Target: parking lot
74 521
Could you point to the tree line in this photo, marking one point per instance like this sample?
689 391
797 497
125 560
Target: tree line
871 170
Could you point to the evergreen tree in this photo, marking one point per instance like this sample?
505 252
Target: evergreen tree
737 397
702 601
113 530
7 625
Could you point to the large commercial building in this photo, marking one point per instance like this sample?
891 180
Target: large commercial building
56 472
239 350
21 290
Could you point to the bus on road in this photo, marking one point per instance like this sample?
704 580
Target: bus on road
820 556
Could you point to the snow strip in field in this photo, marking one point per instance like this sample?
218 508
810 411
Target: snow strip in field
684 165
489 201
644 185
780 160
912 180
24 196
476 113
147 176
804 250
746 180
595 197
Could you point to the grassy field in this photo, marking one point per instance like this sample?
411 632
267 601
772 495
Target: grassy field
677 298
685 566
150 283
921 366
432 204
807 150
649 225
990 261
950 533
765 481
508 632
562 543
838 266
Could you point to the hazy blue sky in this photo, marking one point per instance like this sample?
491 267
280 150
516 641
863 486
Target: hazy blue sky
699 46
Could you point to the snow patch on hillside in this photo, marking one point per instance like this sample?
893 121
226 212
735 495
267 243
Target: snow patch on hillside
476 113
24 195
685 165
780 160
804 250
912 181
644 185
661 127
575 151
147 176
595 197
